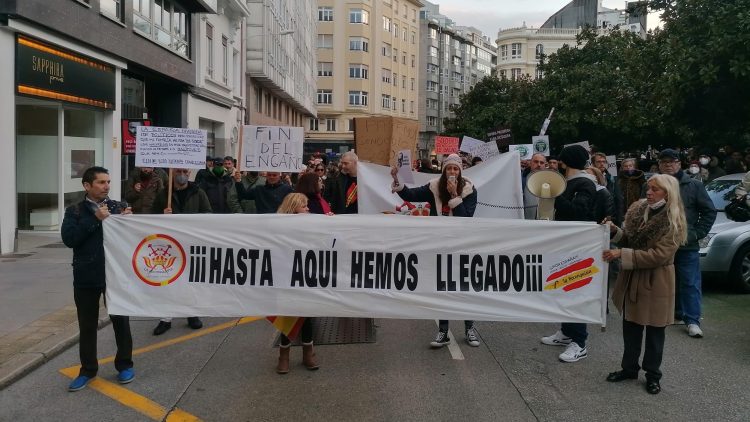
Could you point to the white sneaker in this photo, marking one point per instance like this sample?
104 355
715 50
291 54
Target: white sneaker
472 337
557 339
694 330
573 353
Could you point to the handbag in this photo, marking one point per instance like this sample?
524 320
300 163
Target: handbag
738 210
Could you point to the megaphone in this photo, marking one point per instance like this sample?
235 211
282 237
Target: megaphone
546 185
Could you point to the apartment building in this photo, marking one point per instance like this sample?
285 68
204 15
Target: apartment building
367 65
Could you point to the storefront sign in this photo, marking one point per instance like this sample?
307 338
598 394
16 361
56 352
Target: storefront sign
46 71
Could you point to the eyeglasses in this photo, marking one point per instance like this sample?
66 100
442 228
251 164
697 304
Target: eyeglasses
320 169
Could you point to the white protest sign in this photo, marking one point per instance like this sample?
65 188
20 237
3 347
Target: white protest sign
485 150
524 150
170 147
612 165
403 163
541 145
385 266
272 148
468 143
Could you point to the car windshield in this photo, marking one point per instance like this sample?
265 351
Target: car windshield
721 192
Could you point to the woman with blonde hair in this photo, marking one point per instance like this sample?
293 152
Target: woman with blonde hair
296 203
645 288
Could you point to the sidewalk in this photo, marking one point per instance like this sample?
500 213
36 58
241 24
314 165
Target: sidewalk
37 314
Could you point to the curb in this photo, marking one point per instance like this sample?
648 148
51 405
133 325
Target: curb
37 355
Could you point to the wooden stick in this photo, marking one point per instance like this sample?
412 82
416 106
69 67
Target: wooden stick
239 150
169 189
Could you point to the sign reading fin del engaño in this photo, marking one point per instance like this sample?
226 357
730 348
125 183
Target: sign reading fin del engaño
272 148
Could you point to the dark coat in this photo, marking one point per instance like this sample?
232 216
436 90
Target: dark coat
613 186
221 193
335 193
267 197
604 205
577 201
315 203
630 186
196 201
462 206
142 202
82 231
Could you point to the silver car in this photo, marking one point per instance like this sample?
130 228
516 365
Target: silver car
725 252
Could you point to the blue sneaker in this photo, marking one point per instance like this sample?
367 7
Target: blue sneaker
126 375
79 383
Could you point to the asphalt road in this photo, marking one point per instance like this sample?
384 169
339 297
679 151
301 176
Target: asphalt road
226 373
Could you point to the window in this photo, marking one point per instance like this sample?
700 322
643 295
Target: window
314 124
403 82
413 61
225 55
358 98
325 40
331 125
386 76
515 73
395 29
403 106
503 74
394 103
386 23
403 34
515 51
325 14
432 121
325 96
411 82
359 16
433 33
386 101
433 51
350 125
325 69
395 79
503 52
539 51
395 55
164 22
258 100
386 49
413 37
358 43
432 86
411 107
112 8
539 73
210 49
358 71
403 58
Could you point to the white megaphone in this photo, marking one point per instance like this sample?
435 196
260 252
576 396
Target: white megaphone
546 185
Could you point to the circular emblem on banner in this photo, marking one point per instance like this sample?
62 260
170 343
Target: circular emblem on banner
522 151
540 146
158 260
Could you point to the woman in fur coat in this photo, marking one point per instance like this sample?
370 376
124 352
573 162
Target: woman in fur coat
644 291
450 195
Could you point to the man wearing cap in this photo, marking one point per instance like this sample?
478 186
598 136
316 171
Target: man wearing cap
700 214
220 189
575 204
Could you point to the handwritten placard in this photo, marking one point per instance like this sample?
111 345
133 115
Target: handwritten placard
446 145
485 150
500 135
170 147
468 143
272 148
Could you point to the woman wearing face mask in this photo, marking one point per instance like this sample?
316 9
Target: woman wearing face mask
644 291
696 172
450 195
631 182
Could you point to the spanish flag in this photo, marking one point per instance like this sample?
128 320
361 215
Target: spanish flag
288 325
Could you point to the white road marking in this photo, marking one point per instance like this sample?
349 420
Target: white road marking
453 345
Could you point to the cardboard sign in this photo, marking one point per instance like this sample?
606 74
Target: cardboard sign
272 148
379 139
541 145
468 143
612 165
170 147
500 135
403 164
446 145
524 150
485 150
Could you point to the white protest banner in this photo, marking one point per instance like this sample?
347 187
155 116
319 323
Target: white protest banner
525 151
541 144
497 180
468 143
272 148
403 163
386 266
170 147
612 165
485 150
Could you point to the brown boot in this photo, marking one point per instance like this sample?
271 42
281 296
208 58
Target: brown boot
308 357
283 367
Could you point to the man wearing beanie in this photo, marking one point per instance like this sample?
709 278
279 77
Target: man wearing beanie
700 215
575 204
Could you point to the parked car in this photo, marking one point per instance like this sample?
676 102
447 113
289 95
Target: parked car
725 252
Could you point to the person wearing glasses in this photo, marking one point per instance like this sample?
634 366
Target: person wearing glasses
700 214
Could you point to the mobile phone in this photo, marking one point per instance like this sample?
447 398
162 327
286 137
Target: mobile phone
452 179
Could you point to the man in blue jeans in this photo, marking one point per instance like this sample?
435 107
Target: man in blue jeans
700 214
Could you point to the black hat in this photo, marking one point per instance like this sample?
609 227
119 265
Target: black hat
218 161
574 156
669 154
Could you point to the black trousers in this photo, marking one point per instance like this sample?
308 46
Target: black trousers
87 307
632 335
305 333
443 324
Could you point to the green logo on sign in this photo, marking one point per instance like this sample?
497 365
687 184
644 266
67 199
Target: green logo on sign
522 150
540 146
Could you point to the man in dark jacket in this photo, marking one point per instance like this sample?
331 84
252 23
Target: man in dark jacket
267 197
341 192
187 198
700 215
220 189
575 204
82 231
600 162
144 185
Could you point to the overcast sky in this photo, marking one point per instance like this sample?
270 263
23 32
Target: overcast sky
490 15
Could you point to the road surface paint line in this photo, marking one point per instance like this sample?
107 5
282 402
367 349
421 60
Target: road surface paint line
130 399
452 346
179 415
